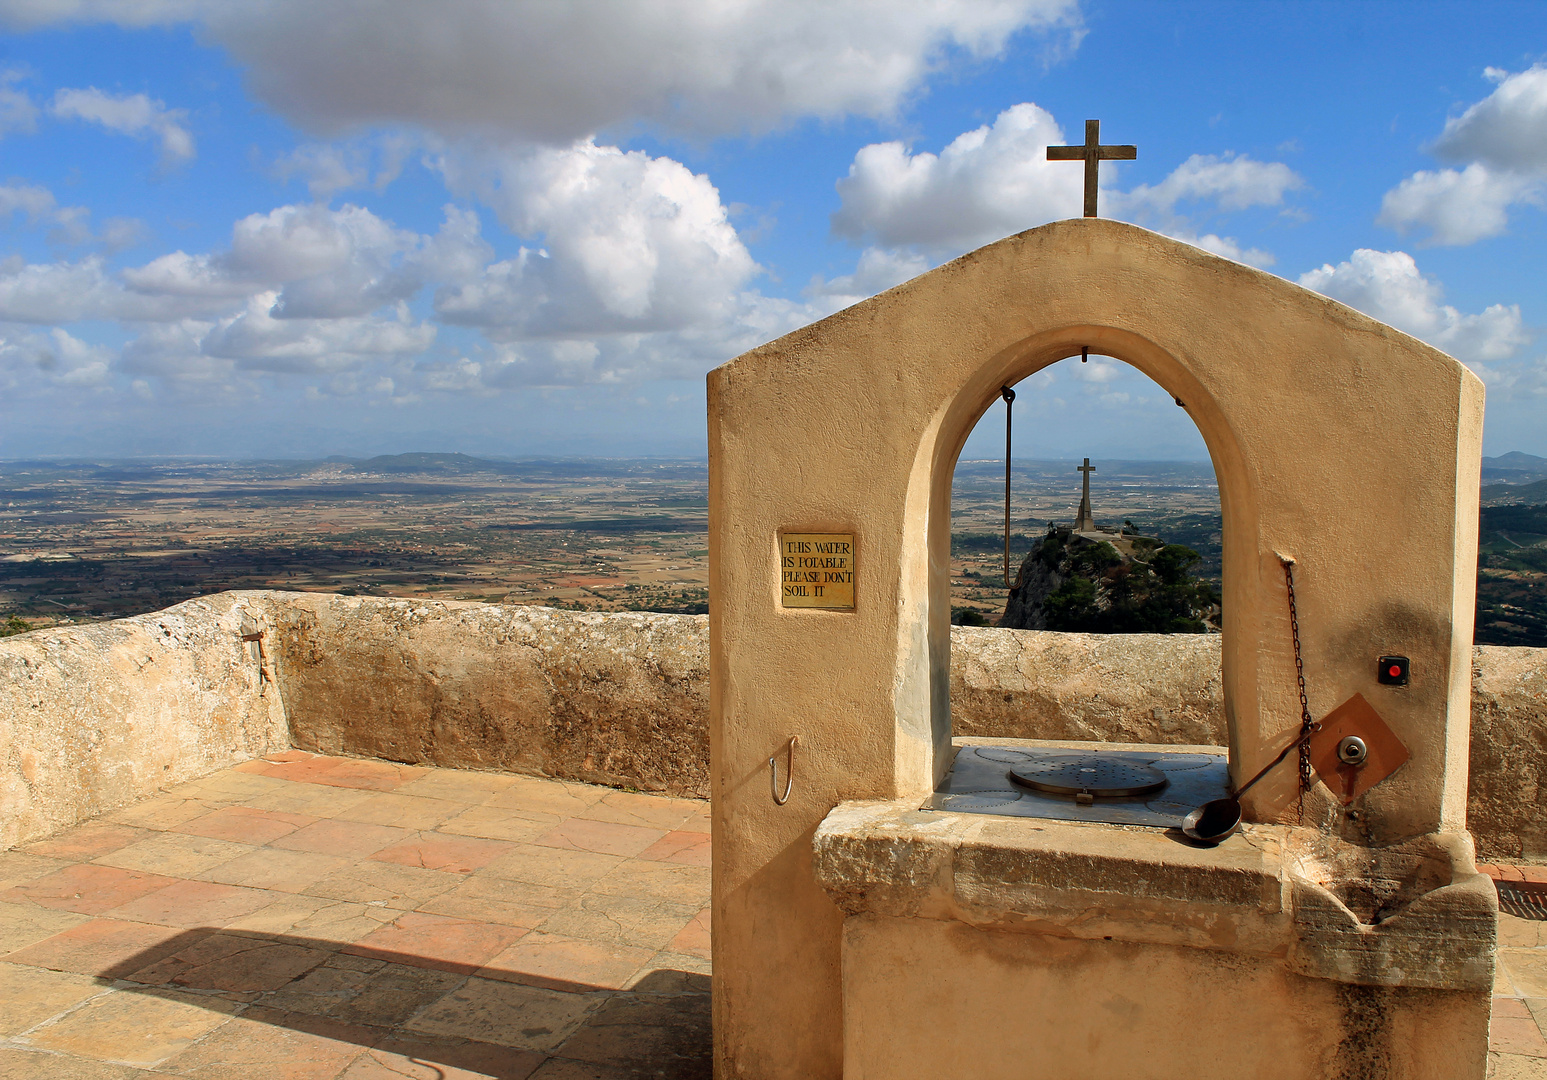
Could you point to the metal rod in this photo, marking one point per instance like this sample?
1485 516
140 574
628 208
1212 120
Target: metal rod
789 772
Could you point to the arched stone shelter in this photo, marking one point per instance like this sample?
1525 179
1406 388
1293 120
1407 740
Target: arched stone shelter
1337 441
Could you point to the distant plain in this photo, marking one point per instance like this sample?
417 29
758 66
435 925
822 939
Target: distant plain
89 540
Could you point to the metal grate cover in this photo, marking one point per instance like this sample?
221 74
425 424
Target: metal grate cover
1101 775
1521 900
979 783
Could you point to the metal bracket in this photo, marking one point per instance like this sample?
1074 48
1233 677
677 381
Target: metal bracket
789 772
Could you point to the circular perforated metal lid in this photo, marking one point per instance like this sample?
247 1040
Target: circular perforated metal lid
1100 775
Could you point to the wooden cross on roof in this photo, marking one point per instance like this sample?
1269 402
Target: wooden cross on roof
1092 153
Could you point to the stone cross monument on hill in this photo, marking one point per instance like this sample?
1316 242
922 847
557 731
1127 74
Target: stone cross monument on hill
1085 521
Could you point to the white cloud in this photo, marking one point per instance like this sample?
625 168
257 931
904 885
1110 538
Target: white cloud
1507 129
17 111
1232 182
996 181
986 184
1459 207
327 169
878 269
1501 144
629 244
1387 285
554 73
52 358
132 114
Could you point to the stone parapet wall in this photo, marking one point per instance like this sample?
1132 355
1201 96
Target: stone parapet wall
95 717
619 699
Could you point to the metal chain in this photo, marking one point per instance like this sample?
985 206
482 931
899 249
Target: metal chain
1009 399
1308 727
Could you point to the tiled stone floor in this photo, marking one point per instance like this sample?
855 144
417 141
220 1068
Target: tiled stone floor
312 917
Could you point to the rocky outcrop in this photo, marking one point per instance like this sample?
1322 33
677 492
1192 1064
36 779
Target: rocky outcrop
92 718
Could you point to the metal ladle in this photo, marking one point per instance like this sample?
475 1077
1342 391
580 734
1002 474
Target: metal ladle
1212 822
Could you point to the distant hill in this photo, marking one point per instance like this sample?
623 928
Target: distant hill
1514 468
1505 494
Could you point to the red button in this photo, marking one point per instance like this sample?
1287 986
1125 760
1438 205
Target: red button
1394 671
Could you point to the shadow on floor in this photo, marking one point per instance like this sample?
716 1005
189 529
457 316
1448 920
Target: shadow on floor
434 1014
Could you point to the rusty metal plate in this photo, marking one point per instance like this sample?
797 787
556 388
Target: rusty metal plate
816 570
1385 753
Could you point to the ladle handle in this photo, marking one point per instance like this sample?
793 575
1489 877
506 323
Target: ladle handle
1269 767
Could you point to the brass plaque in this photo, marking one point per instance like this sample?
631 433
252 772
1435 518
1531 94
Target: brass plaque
816 570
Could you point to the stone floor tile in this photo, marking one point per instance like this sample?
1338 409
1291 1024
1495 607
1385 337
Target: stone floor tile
276 869
405 887
547 796
1538 1010
281 756
565 963
162 812
194 903
311 799
437 941
238 963
87 841
30 995
100 947
134 1027
18 1064
564 870
438 851
669 1034
174 854
24 924
275 1045
1514 1067
404 1057
694 937
649 811
506 1014
688 848
323 988
1516 1035
459 785
499 823
389 997
86 888
559 1068
18 868
369 774
329 922
621 920
698 820
496 900
302 770
352 839
229 787
1521 933
606 837
674 973
666 881
245 824
1502 987
1527 970
402 811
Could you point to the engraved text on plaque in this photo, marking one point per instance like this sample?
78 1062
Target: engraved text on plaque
817 570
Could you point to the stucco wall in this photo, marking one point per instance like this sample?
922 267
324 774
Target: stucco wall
95 717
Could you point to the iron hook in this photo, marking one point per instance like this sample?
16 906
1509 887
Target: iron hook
789 772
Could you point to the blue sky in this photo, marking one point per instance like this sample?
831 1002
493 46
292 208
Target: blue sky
286 229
